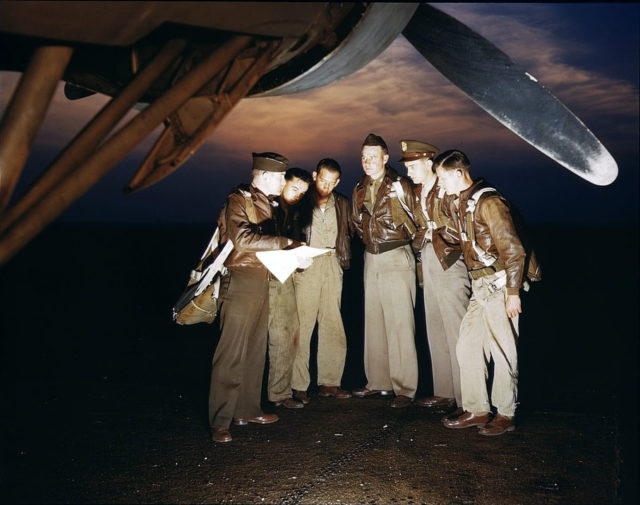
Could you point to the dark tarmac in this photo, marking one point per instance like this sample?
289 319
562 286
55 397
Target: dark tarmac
105 398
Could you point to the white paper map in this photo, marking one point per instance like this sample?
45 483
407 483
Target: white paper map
282 263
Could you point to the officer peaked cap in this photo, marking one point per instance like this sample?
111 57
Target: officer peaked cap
415 149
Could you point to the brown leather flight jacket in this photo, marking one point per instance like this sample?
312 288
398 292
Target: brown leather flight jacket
445 237
495 233
378 232
248 237
343 240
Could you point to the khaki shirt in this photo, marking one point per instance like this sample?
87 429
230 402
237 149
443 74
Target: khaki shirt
325 225
372 193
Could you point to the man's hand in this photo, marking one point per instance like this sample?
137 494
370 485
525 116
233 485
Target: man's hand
513 306
292 244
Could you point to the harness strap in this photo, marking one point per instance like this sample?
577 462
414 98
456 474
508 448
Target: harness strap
409 222
204 277
216 266
249 207
213 243
468 234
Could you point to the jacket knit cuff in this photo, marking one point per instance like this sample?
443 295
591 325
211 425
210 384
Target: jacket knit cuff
513 291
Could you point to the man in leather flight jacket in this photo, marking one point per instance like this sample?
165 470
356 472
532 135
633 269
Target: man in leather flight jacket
446 284
495 259
319 287
239 359
386 229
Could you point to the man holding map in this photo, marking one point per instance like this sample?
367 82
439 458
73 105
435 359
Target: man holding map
238 363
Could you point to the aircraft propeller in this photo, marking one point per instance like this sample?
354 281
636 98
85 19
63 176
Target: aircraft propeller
509 93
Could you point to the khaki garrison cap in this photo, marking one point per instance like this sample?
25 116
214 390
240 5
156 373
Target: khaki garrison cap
375 140
270 162
414 150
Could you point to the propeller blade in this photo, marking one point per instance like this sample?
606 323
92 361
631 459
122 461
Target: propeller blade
509 94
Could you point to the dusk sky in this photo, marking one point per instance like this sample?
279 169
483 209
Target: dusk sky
587 55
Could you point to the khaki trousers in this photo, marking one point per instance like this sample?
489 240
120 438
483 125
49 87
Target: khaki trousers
284 330
487 332
446 297
319 294
238 363
390 359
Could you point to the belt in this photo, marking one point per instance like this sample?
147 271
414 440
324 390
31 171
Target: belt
483 272
386 247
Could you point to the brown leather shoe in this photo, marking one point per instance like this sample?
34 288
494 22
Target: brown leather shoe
453 415
263 419
467 420
498 426
435 401
400 402
335 391
301 396
362 392
220 434
289 403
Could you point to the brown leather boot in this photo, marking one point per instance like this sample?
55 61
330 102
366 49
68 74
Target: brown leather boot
220 434
498 426
467 420
289 403
263 419
453 415
335 391
400 402
301 396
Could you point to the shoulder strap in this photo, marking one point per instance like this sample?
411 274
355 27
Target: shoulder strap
469 234
248 205
211 246
398 192
215 268
215 239
438 215
473 199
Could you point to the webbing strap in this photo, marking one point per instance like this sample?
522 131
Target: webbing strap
397 185
249 207
215 267
213 243
399 193
196 274
468 234
205 276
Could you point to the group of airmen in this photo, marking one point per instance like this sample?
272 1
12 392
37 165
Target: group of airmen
471 263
